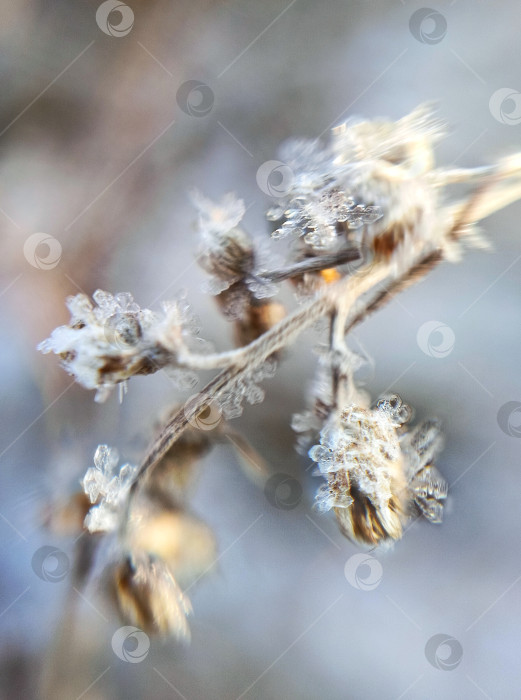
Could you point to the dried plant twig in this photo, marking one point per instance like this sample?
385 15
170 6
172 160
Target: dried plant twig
370 196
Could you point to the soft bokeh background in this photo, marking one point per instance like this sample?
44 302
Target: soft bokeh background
96 152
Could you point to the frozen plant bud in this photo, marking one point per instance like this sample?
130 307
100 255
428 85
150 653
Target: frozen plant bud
231 259
227 252
359 455
374 475
372 185
106 343
229 256
147 596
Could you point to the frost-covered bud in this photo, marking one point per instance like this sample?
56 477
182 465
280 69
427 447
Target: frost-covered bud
231 257
147 596
106 343
407 143
375 474
227 252
370 186
359 455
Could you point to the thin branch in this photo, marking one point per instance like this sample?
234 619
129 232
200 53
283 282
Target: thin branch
322 262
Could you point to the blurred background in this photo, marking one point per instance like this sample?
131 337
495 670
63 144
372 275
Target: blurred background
99 149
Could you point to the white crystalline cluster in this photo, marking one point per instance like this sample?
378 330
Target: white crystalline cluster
107 487
322 195
335 188
107 342
246 387
97 333
369 451
358 447
315 216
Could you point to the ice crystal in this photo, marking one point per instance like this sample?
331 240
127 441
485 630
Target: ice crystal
316 216
323 198
107 487
246 387
334 494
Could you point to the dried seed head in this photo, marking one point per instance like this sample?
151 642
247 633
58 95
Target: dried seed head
361 459
106 343
227 252
371 185
374 476
147 596
230 257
